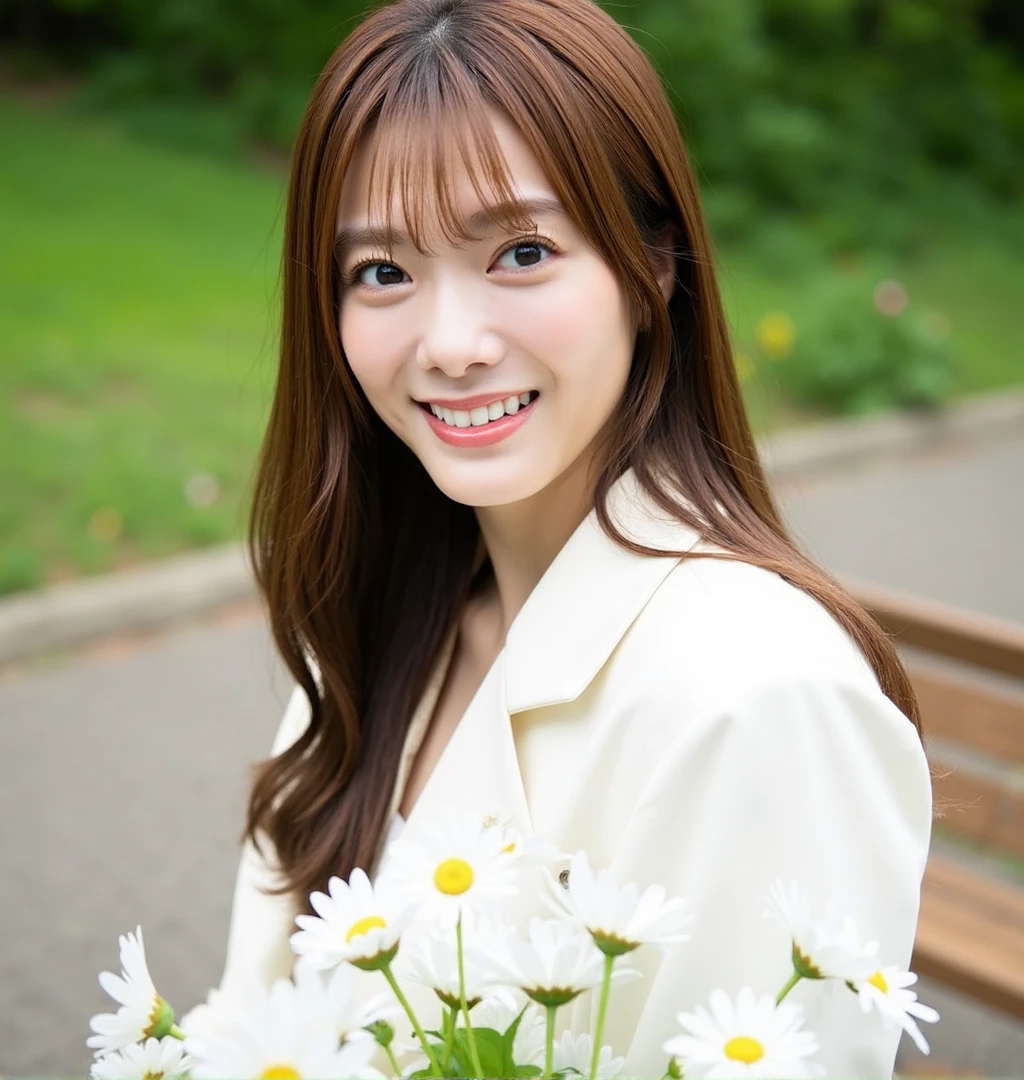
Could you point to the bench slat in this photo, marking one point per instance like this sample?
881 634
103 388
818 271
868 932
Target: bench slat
970 934
987 719
991 814
996 644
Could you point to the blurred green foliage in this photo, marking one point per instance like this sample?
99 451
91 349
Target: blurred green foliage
138 300
838 143
842 112
860 348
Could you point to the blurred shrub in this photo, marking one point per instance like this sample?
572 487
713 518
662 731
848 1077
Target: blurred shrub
828 110
846 113
860 349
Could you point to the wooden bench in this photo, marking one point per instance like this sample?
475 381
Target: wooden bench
971 930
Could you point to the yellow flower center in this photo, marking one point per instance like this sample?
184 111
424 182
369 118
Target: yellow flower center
453 877
745 1049
878 979
509 848
365 925
280 1072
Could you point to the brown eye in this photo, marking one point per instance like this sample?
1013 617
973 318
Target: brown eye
378 274
387 274
527 254
524 254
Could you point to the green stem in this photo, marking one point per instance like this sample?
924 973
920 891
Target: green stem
450 1021
404 1002
793 980
549 1042
470 1037
394 1061
602 1009
176 1032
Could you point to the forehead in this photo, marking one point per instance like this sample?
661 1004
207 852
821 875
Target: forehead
392 177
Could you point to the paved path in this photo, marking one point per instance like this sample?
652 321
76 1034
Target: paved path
947 524
122 784
123 769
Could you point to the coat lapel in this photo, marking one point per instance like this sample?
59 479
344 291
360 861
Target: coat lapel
587 599
478 771
560 639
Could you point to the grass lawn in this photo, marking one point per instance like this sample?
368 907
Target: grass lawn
137 296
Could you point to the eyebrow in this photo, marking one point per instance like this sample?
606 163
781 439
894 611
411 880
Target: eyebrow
370 236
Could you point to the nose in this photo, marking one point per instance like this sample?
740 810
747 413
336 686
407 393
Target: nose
456 335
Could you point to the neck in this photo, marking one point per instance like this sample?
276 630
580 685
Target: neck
522 539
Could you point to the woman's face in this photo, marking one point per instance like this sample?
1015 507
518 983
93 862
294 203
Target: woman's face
522 343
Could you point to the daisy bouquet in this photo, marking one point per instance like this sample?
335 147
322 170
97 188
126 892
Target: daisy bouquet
432 919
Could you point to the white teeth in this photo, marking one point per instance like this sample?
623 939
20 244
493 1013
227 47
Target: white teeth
483 414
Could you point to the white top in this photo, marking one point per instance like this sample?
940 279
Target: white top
700 724
397 825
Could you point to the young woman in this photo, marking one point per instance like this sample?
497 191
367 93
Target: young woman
514 538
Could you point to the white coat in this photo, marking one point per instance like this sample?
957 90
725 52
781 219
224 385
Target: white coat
698 723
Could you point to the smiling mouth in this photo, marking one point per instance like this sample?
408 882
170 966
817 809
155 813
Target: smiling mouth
482 416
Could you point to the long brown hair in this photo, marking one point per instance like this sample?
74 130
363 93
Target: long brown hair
363 562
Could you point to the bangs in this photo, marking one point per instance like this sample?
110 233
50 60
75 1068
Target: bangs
434 120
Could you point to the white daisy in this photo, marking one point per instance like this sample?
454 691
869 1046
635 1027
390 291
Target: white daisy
886 991
499 1013
337 995
558 962
619 917
143 1013
214 1016
754 1039
433 959
450 866
278 1035
155 1059
823 946
572 1053
354 923
532 850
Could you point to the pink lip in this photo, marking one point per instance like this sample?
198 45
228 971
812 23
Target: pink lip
491 432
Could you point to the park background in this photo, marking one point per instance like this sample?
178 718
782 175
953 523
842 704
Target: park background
861 163
840 145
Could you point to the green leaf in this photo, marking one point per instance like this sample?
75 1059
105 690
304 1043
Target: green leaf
508 1041
489 1045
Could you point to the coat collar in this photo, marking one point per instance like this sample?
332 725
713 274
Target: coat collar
587 599
559 640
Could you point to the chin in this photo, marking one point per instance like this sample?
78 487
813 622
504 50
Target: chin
483 483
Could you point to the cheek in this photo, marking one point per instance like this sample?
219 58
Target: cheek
370 346
582 327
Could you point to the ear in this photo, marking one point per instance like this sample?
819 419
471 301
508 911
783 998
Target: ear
666 243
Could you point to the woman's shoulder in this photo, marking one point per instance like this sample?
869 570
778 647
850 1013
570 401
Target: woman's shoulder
717 623
729 654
